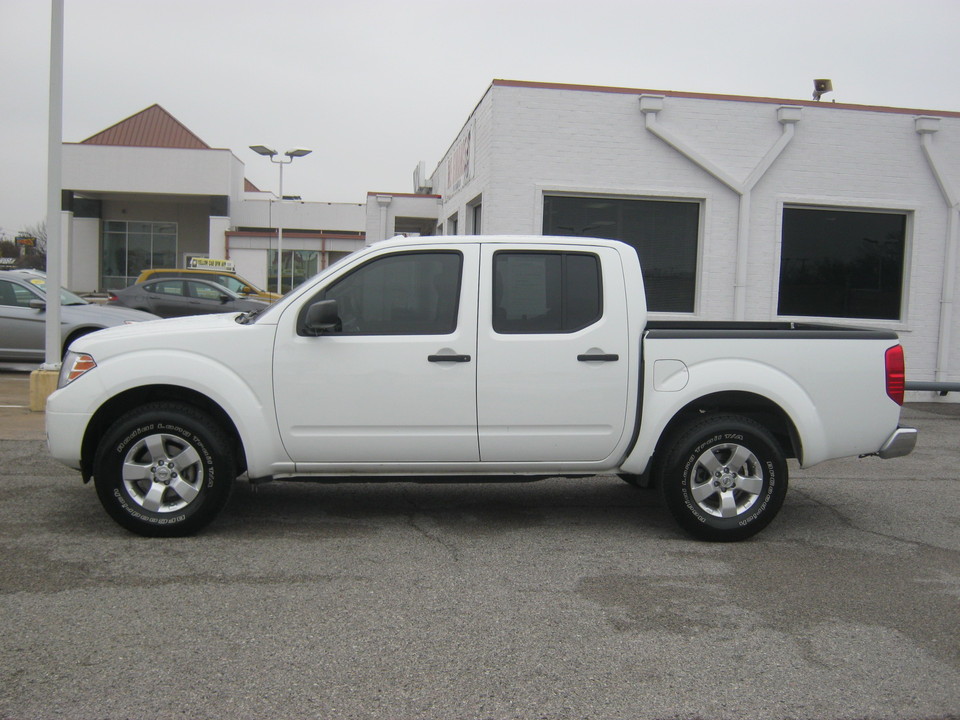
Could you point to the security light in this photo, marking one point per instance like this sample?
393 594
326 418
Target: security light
820 87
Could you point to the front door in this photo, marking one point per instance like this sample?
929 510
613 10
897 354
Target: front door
395 384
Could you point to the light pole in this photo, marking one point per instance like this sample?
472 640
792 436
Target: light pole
290 155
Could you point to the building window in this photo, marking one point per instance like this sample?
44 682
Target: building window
842 263
476 216
452 223
665 234
129 248
298 265
545 292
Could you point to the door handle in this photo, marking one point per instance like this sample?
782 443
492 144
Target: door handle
448 358
598 357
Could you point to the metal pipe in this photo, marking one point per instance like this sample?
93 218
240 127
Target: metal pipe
926 127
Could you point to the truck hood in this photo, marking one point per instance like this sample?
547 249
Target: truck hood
155 333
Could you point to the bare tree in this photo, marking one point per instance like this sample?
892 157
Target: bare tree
34 256
39 232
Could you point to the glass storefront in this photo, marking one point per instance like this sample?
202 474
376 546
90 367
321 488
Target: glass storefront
129 248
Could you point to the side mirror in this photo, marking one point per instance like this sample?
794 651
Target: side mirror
224 299
38 305
320 317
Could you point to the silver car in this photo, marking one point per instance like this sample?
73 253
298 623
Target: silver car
23 305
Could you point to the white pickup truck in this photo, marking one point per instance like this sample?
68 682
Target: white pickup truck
471 359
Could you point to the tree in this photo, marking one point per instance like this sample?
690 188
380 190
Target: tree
38 231
8 248
31 256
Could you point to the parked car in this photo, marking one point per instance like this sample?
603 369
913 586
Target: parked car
174 297
468 358
23 304
229 280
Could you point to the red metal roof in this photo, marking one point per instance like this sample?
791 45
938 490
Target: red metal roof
152 127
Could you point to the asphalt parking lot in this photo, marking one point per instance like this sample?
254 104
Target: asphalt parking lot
557 599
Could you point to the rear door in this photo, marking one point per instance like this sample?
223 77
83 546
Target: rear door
552 374
166 298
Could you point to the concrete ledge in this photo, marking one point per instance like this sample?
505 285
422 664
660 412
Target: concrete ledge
42 385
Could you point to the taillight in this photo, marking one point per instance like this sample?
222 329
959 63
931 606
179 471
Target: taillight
895 374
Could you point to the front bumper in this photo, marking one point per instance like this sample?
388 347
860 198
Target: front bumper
900 443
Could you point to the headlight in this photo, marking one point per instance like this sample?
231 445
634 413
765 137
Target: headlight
75 365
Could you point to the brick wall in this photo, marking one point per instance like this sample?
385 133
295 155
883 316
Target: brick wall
531 140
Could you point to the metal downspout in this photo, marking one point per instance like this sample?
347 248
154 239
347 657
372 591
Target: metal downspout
925 127
787 116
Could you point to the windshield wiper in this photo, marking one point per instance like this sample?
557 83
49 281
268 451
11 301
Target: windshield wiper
248 317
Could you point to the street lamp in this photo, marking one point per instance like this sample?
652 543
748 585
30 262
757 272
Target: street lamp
290 155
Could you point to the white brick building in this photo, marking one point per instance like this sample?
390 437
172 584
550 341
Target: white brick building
741 208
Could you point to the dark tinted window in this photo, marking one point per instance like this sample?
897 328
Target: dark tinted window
543 292
403 294
665 234
838 263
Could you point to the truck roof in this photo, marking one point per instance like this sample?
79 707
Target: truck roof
401 240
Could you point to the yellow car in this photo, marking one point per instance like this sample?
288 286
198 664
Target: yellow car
229 280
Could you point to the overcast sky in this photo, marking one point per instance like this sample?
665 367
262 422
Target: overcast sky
374 86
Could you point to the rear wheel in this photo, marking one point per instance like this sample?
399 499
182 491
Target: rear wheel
164 470
723 478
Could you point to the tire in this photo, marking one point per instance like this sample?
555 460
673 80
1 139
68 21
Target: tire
723 478
164 470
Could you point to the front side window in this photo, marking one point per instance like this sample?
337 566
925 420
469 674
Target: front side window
14 295
665 234
202 291
545 292
842 264
414 293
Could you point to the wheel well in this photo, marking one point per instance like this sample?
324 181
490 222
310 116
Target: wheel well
757 408
120 404
77 333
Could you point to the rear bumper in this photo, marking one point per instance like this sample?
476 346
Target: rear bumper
900 443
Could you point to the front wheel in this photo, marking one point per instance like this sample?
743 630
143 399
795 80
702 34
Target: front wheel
723 478
164 470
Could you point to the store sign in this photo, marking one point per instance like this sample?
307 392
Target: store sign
26 241
459 164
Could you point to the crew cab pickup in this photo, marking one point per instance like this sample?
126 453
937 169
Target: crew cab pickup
471 359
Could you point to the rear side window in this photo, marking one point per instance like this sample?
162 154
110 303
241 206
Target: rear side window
545 292
166 287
